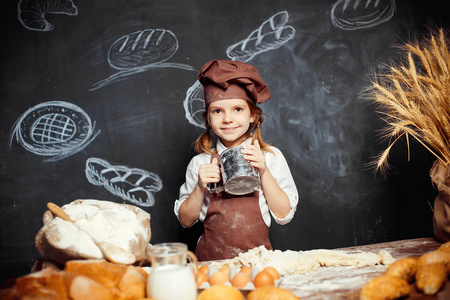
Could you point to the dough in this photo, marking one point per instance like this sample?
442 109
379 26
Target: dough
298 262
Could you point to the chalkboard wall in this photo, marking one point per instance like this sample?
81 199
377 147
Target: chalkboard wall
88 86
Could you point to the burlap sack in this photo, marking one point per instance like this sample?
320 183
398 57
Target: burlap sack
439 174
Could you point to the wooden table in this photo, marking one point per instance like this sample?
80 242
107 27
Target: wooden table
347 282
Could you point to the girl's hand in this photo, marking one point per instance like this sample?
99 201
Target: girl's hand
255 156
208 173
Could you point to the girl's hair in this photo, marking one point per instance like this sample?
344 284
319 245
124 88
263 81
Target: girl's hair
204 143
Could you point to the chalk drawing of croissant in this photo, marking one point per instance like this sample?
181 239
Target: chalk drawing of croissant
31 13
55 129
140 51
272 34
135 185
358 14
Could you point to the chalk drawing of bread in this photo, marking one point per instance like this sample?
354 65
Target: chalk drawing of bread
357 14
135 185
272 34
55 128
194 105
142 48
140 51
31 13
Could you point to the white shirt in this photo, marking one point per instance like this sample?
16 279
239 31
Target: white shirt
275 163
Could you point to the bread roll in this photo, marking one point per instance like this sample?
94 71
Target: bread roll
404 268
83 288
430 278
220 292
101 271
434 257
271 293
81 279
385 287
133 283
46 284
445 247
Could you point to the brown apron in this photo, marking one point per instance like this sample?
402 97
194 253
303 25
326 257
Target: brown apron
233 225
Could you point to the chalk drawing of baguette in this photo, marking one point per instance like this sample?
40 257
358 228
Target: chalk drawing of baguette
135 185
358 14
31 13
140 51
272 34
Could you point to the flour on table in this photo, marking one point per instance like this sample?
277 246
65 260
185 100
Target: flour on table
298 262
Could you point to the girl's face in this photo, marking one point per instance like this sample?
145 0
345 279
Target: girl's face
230 120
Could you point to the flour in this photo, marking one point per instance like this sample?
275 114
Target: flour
66 235
125 226
330 279
107 222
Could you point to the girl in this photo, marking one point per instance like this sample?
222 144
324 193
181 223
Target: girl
234 224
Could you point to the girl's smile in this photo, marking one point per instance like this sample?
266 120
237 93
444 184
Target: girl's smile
230 120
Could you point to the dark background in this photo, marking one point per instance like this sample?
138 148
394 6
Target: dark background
316 117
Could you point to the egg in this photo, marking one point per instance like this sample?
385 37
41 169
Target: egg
246 269
241 279
202 277
219 277
272 272
263 278
226 270
203 269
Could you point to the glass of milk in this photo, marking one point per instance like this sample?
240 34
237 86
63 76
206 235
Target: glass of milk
171 276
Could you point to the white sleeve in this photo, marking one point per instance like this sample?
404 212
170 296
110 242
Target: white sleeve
190 183
279 168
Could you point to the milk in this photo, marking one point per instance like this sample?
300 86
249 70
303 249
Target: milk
169 282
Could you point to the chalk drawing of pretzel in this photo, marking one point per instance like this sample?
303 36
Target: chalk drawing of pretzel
31 13
135 185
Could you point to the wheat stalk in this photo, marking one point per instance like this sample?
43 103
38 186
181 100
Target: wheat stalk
414 99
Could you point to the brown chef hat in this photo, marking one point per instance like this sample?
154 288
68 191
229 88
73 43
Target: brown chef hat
226 79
